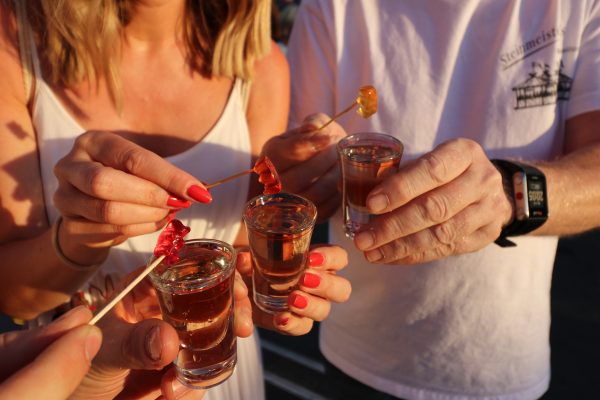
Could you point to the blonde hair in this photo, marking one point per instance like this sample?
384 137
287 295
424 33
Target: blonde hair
79 39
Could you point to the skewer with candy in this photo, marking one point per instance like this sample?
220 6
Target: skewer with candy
366 101
170 242
267 175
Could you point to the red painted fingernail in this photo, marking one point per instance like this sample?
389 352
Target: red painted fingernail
199 194
311 280
282 321
298 301
176 202
315 259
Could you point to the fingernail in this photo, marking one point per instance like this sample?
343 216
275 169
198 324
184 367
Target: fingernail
199 194
374 255
377 203
174 201
282 320
311 280
298 301
154 344
93 340
315 259
364 240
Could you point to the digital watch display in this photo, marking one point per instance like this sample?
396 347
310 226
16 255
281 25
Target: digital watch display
530 199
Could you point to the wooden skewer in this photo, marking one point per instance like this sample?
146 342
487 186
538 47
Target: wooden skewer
124 292
338 115
229 178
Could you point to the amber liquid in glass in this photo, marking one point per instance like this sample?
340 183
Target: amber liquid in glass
364 167
202 317
279 256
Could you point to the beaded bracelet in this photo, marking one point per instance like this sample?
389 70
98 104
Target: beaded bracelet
59 253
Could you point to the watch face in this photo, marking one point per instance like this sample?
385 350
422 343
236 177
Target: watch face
536 194
530 196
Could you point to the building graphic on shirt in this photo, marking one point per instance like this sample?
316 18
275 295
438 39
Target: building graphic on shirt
542 87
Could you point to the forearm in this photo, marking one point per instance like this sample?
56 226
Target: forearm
33 279
573 192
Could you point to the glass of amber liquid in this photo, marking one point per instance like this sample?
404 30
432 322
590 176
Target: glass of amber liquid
279 229
196 298
366 159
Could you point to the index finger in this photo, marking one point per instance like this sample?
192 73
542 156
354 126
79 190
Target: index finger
114 151
445 163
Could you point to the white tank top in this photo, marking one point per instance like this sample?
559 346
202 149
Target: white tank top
224 151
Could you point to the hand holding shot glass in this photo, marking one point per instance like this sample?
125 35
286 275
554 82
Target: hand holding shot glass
366 159
196 297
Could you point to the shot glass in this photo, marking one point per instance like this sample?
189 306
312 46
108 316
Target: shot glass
279 229
196 298
366 159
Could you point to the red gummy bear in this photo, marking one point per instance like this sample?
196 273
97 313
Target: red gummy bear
171 240
267 175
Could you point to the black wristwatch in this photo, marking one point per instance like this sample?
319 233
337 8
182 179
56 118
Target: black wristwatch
530 198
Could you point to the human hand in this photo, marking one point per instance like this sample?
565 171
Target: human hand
48 362
318 287
111 189
134 359
306 161
449 201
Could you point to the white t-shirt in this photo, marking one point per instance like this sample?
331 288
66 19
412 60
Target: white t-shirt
506 74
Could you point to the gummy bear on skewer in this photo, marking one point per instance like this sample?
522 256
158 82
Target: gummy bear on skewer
267 175
366 101
171 241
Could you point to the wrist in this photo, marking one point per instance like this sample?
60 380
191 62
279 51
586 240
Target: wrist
75 255
507 188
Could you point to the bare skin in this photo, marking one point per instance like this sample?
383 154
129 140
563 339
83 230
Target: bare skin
114 184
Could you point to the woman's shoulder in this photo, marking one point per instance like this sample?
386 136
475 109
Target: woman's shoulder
271 76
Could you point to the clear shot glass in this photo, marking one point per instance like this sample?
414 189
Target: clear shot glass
366 158
196 298
279 229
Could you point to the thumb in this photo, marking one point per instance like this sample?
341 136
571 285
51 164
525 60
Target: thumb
150 345
58 370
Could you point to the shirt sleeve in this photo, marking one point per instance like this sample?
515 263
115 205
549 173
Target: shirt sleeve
585 94
312 58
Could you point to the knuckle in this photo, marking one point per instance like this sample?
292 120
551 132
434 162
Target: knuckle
388 227
133 160
59 168
396 250
436 167
125 230
106 210
445 250
97 182
444 233
415 258
434 208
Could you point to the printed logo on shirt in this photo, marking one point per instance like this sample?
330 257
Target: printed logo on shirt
543 85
